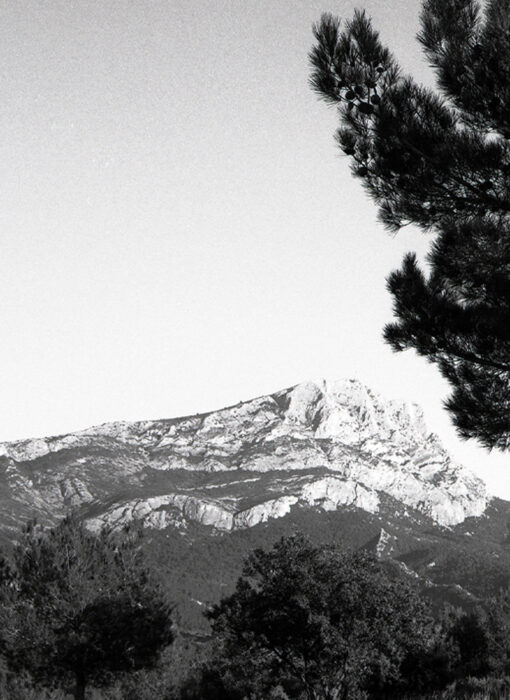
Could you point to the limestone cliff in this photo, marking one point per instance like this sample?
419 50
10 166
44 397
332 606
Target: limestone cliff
317 445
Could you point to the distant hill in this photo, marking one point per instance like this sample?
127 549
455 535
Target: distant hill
333 459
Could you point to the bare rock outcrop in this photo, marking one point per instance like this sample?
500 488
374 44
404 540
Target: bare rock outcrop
324 445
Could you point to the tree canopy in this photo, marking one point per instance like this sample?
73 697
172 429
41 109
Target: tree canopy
439 160
78 607
316 622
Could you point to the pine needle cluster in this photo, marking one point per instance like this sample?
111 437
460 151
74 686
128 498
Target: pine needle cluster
439 160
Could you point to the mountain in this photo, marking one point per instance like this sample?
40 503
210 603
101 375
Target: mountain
331 458
318 444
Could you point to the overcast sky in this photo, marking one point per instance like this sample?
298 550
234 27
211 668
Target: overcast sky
179 231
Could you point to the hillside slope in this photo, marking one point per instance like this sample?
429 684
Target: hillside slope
332 459
325 445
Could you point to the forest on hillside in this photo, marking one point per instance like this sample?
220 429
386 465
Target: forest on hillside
88 616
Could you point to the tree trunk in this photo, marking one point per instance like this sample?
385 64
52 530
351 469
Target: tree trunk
79 688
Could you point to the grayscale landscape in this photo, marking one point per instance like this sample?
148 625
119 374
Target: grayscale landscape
255 357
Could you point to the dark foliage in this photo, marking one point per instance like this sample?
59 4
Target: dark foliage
78 607
308 621
313 621
482 639
481 574
305 621
442 162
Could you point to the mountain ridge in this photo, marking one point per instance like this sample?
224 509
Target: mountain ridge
331 459
109 426
363 444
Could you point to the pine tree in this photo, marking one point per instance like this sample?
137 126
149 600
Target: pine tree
80 608
439 160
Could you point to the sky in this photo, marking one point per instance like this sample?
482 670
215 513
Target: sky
178 230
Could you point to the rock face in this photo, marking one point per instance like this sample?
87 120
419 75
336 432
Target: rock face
318 445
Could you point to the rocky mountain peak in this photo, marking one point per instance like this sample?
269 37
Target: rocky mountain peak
349 411
320 445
